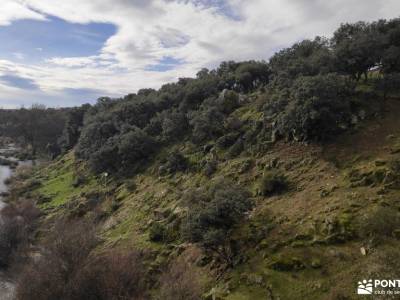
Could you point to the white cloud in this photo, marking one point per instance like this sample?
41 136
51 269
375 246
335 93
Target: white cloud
11 10
198 35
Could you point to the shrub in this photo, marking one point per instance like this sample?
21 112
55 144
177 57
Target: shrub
228 101
112 276
105 158
174 125
67 248
12 236
273 183
206 124
381 222
213 214
175 162
180 282
18 222
236 149
134 146
157 232
227 140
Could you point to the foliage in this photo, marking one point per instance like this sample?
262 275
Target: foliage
115 153
207 124
73 127
212 215
356 47
157 232
133 146
306 58
236 149
34 128
273 182
175 162
307 89
316 108
227 140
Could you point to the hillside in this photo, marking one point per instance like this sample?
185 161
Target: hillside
301 244
256 180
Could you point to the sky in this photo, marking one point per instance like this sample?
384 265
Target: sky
66 53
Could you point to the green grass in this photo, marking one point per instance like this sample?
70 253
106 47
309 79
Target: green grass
59 189
57 183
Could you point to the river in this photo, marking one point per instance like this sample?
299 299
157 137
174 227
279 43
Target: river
6 286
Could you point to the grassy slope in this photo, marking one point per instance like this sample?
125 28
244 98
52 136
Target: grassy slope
281 228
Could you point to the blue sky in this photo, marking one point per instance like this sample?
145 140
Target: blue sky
38 40
65 53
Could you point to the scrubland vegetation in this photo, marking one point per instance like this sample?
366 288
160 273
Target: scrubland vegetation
256 180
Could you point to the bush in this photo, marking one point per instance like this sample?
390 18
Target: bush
379 223
228 101
112 276
273 183
175 162
157 232
123 152
206 124
180 282
67 249
18 222
105 159
133 146
227 140
213 214
174 125
236 149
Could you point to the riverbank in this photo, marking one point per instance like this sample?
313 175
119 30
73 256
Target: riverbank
8 155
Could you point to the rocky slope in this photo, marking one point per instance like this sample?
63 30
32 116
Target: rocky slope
335 223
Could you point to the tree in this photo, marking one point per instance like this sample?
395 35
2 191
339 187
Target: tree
317 109
35 128
173 125
133 146
250 75
206 124
307 58
73 127
357 48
